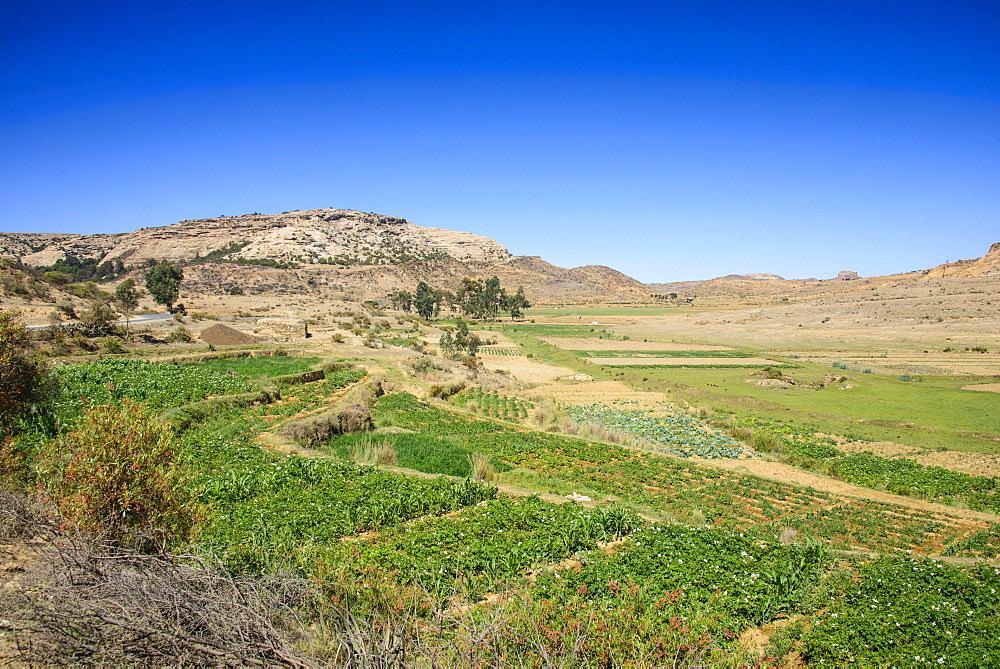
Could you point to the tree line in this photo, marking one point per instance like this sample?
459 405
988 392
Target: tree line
475 298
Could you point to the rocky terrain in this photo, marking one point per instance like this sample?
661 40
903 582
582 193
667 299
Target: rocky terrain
339 254
296 236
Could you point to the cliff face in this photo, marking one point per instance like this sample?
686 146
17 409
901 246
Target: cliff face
297 236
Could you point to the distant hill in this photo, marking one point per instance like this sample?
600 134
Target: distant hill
988 265
324 250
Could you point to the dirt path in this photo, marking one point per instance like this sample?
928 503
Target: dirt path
782 473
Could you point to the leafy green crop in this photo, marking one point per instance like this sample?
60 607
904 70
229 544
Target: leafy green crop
257 366
911 612
696 568
157 385
678 433
493 404
906 477
271 508
485 545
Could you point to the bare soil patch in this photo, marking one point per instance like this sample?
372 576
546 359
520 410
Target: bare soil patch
588 344
681 362
597 391
525 369
500 337
984 387
976 464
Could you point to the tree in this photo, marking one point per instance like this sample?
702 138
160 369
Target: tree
98 316
127 299
401 300
424 300
25 382
163 282
465 340
513 304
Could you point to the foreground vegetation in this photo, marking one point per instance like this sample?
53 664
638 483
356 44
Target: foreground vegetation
672 564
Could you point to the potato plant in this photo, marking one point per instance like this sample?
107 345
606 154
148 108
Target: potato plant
911 612
483 547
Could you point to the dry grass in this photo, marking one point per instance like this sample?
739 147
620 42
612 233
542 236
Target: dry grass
76 601
373 452
482 467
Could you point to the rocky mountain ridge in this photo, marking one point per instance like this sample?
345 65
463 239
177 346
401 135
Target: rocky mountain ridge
315 235
336 252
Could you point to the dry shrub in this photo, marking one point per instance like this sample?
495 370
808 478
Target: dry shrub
375 452
355 418
423 365
740 433
766 442
444 392
122 481
544 413
788 535
127 609
22 517
181 335
367 394
314 430
482 467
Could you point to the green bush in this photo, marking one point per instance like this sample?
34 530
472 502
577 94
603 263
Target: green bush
123 482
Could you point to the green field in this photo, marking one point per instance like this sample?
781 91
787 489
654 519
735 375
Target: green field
260 366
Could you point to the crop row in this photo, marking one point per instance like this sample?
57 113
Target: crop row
744 581
268 508
483 547
898 476
905 611
674 488
678 433
493 404
158 385
501 350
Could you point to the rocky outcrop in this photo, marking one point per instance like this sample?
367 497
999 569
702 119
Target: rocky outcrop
317 235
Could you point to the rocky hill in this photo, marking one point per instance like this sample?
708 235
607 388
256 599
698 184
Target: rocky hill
334 252
988 265
316 235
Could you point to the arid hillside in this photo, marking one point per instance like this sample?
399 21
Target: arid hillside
328 254
317 235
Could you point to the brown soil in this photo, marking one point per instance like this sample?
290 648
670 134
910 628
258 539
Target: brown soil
223 335
593 344
525 369
984 387
597 391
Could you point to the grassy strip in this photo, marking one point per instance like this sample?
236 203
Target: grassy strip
258 366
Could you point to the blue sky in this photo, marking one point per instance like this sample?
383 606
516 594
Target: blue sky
670 140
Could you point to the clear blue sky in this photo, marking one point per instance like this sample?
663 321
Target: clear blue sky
670 140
